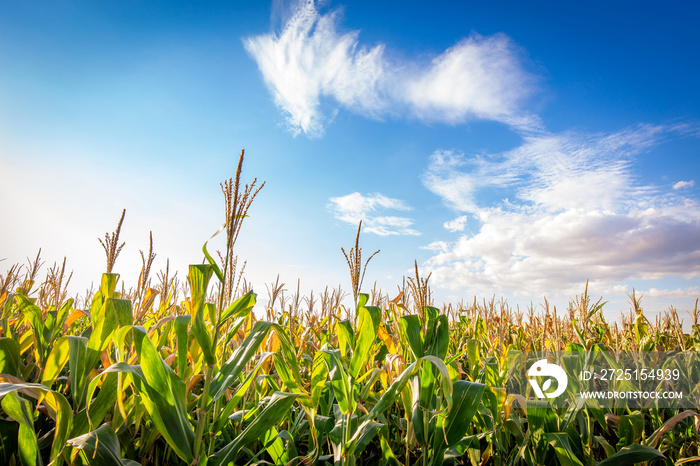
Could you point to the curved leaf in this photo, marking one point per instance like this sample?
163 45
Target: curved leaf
240 307
162 394
465 401
101 448
410 327
59 409
9 356
366 334
632 454
58 357
21 411
277 408
198 279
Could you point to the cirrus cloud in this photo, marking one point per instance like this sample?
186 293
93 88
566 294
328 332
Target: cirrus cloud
457 224
310 61
355 207
684 184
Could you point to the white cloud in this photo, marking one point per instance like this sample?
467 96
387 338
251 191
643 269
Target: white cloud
310 60
355 207
457 179
479 77
691 293
684 184
457 224
440 246
578 215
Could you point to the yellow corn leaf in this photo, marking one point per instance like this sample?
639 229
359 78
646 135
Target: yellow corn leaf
104 357
386 339
75 315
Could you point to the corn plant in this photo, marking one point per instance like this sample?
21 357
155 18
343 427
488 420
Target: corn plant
190 375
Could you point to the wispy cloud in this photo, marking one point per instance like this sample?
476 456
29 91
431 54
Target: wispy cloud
684 184
458 224
310 62
691 292
370 209
480 77
577 214
310 59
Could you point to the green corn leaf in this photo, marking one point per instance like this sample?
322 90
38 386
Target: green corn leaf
410 327
61 317
108 284
212 262
276 409
98 407
285 374
289 353
101 448
631 455
431 314
539 416
181 325
122 310
465 401
388 456
439 364
198 279
57 359
473 355
21 410
609 450
32 313
58 408
77 354
451 427
423 390
104 322
562 448
210 309
164 393
362 299
273 444
362 437
233 329
106 319
598 414
367 329
393 392
239 308
630 429
319 374
440 338
9 356
340 381
222 416
228 374
469 445
167 407
343 424
346 336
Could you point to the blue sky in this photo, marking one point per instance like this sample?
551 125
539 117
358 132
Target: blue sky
514 150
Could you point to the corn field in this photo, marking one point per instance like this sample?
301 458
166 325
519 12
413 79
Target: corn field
185 373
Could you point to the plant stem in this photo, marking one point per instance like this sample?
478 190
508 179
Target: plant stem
202 413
